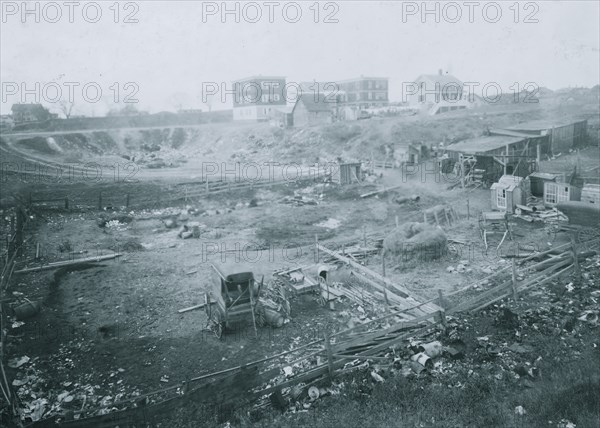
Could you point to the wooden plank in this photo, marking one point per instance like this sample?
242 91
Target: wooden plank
403 292
69 263
191 308
376 192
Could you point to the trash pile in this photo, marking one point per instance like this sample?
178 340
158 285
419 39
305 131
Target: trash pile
496 345
273 307
41 398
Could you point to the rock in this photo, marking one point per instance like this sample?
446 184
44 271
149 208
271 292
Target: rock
170 223
450 269
487 271
187 235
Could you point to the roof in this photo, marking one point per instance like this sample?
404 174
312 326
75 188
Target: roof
512 133
27 107
314 103
483 144
508 182
259 77
545 175
540 125
357 79
442 79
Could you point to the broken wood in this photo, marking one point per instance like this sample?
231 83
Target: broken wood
397 289
366 195
191 308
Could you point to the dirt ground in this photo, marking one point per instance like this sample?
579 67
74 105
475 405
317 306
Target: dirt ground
115 328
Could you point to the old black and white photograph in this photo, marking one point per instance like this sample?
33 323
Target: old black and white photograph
310 214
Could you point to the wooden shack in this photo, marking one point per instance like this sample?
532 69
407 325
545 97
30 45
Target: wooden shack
590 194
537 181
509 191
561 135
347 173
565 189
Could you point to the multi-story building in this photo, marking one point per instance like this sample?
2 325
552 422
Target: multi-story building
256 98
363 92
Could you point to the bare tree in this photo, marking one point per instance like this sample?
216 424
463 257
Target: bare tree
66 107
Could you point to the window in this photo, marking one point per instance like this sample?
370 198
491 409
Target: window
555 193
501 198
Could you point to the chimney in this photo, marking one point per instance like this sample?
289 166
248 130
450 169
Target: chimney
440 72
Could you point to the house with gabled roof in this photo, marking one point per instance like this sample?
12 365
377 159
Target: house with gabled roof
29 113
312 109
438 93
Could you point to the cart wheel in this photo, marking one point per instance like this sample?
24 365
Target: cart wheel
217 329
260 319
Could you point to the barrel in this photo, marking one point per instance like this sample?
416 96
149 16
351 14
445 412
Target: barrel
423 359
27 310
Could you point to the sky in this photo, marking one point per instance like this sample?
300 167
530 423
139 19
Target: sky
163 59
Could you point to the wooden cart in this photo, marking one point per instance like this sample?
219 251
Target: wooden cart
494 222
230 300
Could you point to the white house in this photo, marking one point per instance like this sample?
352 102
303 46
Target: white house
438 93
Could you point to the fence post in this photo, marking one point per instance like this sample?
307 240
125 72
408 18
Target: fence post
514 279
443 311
66 202
329 355
100 201
575 260
127 202
19 231
385 294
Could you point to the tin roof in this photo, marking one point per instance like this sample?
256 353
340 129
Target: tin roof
541 125
484 144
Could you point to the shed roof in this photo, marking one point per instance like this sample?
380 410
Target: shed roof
512 133
508 182
545 175
541 125
484 144
442 79
315 102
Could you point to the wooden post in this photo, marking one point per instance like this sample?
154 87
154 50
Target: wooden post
468 210
37 251
252 307
19 231
317 250
127 200
100 201
577 269
514 278
441 305
66 202
385 295
329 355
